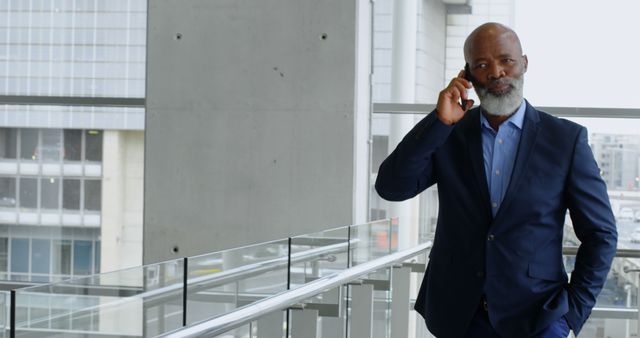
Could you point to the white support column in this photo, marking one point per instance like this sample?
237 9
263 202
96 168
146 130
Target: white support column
304 323
270 325
361 311
333 326
400 301
403 81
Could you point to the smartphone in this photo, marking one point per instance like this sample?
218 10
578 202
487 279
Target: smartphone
468 77
467 73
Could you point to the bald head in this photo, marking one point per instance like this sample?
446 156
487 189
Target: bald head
490 33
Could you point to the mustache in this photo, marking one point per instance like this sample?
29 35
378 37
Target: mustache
497 83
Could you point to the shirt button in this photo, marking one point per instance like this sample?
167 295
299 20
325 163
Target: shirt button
500 140
494 204
497 172
491 237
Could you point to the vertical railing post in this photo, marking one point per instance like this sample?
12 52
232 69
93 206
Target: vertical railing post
185 279
12 313
348 289
288 319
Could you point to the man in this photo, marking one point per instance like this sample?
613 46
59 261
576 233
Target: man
506 174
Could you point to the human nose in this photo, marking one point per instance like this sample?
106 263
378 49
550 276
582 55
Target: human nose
496 71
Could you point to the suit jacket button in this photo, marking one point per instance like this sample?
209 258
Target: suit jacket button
491 237
480 274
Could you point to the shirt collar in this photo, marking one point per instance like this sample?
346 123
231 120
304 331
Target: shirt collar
517 119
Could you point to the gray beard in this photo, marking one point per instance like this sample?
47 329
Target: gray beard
502 104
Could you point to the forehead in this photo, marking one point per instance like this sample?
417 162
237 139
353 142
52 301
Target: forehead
491 44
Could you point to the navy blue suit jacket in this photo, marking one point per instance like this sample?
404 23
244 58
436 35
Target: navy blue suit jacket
514 258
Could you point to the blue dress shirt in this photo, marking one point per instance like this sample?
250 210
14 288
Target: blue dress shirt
499 150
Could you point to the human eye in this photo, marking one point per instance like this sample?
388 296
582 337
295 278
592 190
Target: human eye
481 66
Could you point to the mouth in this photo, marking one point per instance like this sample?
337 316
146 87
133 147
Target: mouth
500 88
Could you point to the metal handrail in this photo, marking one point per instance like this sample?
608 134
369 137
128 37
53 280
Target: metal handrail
164 294
620 253
426 108
281 301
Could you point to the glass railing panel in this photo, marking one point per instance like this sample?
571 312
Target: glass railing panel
621 288
371 240
318 254
223 281
619 292
5 306
120 303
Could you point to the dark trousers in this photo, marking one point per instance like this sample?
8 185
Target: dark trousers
481 328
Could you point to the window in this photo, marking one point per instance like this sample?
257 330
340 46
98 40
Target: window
72 145
8 143
49 196
4 251
94 145
61 257
82 257
96 264
92 195
40 258
50 149
7 192
20 255
71 194
28 143
28 193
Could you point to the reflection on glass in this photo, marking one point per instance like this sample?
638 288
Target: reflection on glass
61 257
49 197
8 143
72 144
29 193
7 192
82 257
71 194
40 255
93 145
92 194
28 143
20 255
96 262
4 253
50 149
318 254
236 277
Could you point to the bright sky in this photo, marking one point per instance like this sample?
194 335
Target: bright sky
582 53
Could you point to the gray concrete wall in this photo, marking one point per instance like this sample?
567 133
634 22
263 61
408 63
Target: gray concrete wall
250 129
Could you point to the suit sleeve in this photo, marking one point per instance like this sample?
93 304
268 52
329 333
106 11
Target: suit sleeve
595 227
408 170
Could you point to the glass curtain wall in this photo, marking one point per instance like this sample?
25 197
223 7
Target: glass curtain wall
52 156
614 116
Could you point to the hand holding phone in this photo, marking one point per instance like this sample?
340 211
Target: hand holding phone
467 76
453 101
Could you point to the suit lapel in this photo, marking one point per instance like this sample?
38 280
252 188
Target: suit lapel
525 148
472 135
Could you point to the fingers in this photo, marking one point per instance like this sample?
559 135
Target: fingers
468 104
457 89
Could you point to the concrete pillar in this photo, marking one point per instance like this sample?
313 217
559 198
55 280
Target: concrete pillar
253 110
